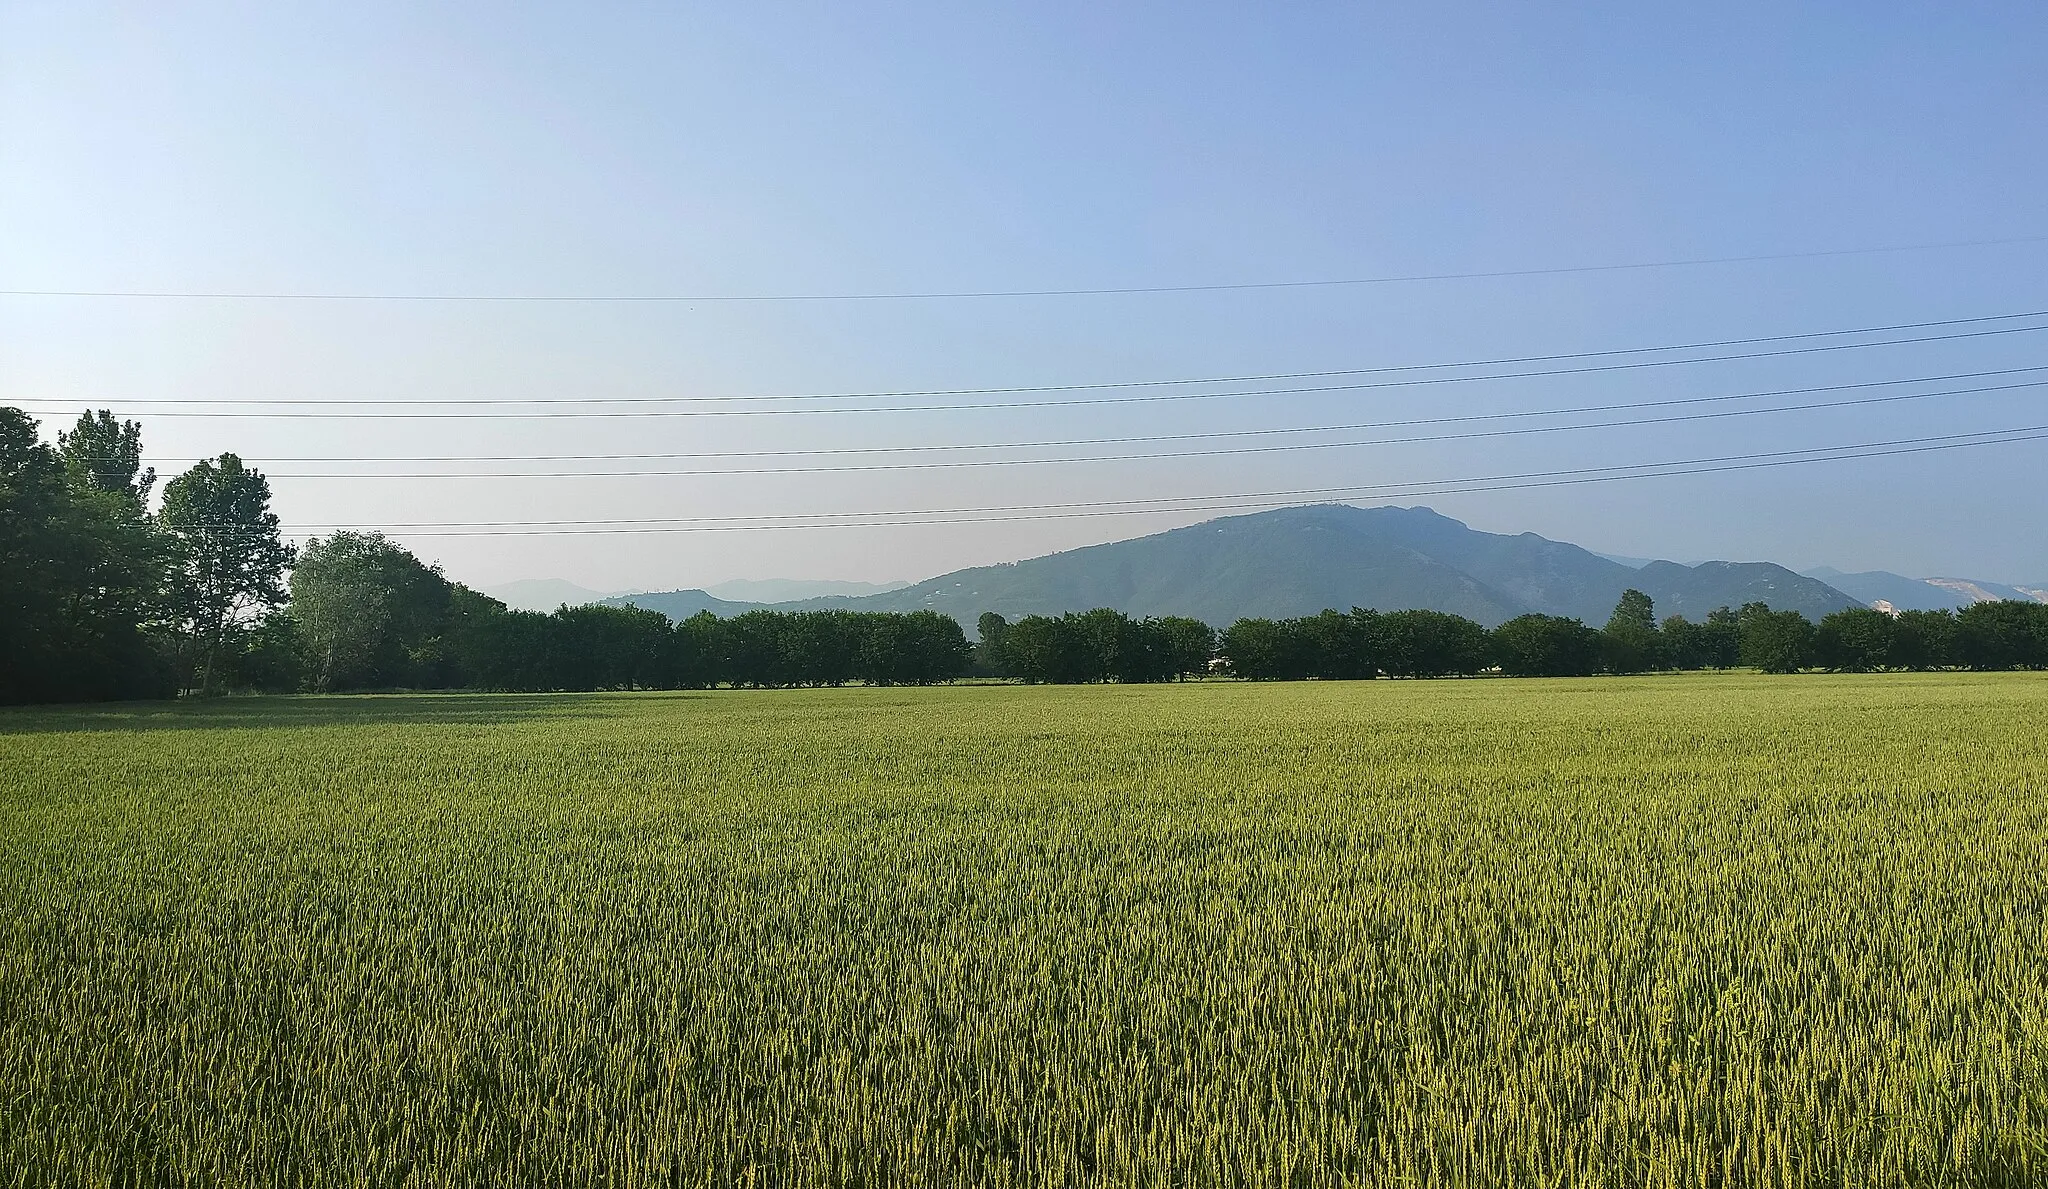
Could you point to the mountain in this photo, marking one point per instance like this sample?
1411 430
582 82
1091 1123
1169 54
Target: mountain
788 590
682 604
1633 563
1293 562
1977 591
1881 586
1693 591
1538 574
1922 594
543 594
1297 561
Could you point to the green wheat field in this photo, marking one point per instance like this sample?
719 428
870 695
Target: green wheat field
1715 930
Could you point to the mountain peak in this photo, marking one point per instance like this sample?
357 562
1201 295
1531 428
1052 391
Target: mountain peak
1300 560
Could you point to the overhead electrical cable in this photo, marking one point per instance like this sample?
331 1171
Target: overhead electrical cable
1254 378
1430 381
1217 452
967 294
1215 503
1209 435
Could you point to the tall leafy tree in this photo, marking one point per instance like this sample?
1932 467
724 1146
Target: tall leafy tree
1855 640
105 454
991 655
1923 640
1774 641
32 499
1547 646
1187 645
79 569
228 559
368 613
1629 641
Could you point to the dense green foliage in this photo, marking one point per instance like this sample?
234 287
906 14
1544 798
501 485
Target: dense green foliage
1098 645
1672 931
228 561
1547 646
1364 643
101 599
1985 636
81 568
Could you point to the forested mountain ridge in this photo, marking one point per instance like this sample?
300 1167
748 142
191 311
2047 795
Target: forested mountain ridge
1298 561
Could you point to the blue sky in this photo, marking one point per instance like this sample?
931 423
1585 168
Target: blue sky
400 150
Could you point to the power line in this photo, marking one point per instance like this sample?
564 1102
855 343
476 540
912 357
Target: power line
1216 503
1129 290
1465 418
1218 452
1256 378
1430 381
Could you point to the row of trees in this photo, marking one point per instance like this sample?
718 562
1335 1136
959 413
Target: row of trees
1334 645
101 598
1106 645
367 614
1098 645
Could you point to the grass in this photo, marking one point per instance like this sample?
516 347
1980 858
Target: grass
1675 931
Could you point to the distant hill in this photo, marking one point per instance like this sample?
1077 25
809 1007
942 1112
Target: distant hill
1978 591
1297 561
1882 586
1923 594
543 594
786 590
682 604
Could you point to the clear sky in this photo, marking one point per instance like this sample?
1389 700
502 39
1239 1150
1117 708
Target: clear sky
407 150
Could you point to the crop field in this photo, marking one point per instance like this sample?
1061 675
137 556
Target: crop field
1676 931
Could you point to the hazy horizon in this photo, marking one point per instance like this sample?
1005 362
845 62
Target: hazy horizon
736 589
386 155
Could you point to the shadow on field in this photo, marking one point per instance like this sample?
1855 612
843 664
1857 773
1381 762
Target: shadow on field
307 710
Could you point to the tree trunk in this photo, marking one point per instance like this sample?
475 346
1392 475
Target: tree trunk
212 650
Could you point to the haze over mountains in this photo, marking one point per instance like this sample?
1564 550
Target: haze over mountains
546 594
784 590
1923 594
1297 561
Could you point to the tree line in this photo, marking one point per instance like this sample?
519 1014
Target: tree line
103 598
364 613
1366 643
